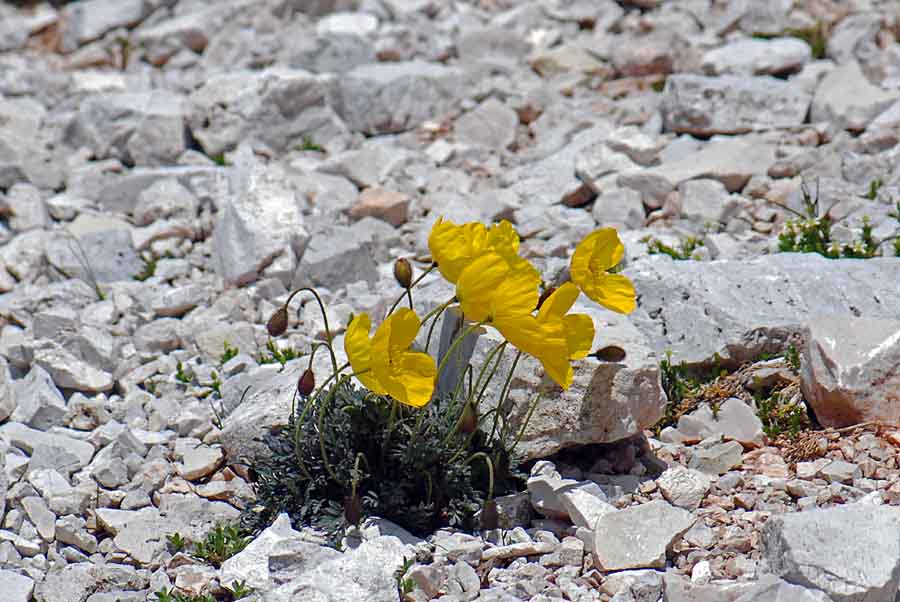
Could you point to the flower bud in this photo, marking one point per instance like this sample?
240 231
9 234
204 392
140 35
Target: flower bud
353 509
468 422
545 295
490 517
611 353
403 272
306 383
278 323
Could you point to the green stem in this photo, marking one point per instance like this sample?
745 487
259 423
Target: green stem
531 410
414 282
504 392
390 428
455 344
322 449
324 318
328 380
490 467
482 387
435 313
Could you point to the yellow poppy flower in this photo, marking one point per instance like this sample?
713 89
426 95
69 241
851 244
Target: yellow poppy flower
593 257
358 347
493 288
454 247
407 376
572 334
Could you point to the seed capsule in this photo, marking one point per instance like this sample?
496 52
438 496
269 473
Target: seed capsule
469 420
403 272
278 323
353 509
490 517
306 383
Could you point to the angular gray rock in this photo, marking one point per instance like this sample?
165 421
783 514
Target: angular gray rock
340 255
683 487
262 221
277 107
384 98
28 440
267 405
754 56
846 98
139 128
851 369
38 402
15 586
863 544
97 249
491 124
730 160
276 549
735 420
82 22
742 308
700 105
606 402
69 371
638 537
363 573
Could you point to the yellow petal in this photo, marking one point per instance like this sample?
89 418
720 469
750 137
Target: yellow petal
517 294
559 369
397 332
478 283
579 335
559 302
503 238
453 247
415 378
613 291
607 249
595 254
523 332
358 347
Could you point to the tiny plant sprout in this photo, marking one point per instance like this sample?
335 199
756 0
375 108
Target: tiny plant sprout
306 383
278 323
403 272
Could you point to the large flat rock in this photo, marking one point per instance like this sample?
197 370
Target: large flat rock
742 308
852 553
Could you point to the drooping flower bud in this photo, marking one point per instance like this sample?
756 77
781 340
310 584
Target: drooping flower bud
610 353
403 272
306 383
353 509
545 295
278 323
490 517
468 422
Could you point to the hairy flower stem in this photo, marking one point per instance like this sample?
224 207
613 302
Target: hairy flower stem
407 291
531 409
490 467
390 428
322 449
459 339
434 313
504 393
328 337
480 386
